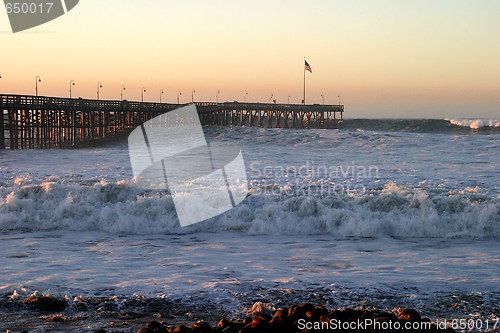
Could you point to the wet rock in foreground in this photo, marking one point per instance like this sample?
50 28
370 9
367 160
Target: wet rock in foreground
308 318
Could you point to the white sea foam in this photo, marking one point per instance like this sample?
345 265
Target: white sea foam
121 207
424 185
474 123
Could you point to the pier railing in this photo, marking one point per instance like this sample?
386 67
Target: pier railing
50 122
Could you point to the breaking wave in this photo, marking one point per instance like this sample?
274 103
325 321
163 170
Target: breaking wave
120 207
445 126
475 123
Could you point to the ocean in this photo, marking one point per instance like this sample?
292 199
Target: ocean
379 214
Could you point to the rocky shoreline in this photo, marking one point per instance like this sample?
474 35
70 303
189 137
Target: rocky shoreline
304 318
259 311
307 318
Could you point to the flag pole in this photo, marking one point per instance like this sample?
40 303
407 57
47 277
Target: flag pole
304 66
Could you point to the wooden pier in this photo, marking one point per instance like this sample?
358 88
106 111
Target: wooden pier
51 122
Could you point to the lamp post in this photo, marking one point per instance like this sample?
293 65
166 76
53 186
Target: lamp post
71 83
288 99
99 86
143 90
217 96
192 94
37 79
246 94
323 96
339 100
121 92
179 97
161 93
271 98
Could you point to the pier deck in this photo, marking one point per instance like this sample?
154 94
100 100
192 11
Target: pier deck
52 122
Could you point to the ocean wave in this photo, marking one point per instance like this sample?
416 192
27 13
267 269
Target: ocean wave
438 126
475 123
121 207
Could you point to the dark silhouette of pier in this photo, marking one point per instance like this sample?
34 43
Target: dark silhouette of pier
52 122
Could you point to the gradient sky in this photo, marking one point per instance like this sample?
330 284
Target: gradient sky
397 59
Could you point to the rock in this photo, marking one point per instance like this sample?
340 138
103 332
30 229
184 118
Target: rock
145 330
46 303
224 323
390 316
202 327
350 314
409 315
260 307
247 320
308 307
264 316
154 325
296 313
335 314
247 329
232 329
321 310
281 313
259 323
182 329
310 314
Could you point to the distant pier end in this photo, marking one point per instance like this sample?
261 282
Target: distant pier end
51 122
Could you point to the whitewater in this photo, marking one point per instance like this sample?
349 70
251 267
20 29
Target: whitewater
377 214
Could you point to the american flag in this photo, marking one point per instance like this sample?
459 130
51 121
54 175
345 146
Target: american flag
308 68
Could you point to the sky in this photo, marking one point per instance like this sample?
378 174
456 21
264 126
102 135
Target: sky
386 59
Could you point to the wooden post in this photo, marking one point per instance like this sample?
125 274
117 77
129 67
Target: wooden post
59 132
91 124
72 116
43 129
83 120
2 130
11 130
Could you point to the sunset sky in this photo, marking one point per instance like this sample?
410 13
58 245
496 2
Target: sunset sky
397 59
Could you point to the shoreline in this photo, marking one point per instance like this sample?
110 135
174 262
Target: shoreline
41 313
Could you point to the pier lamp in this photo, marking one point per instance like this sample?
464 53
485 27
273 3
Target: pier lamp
99 86
323 96
217 96
288 99
161 93
192 94
246 94
271 98
121 92
339 100
37 79
71 83
143 90
179 97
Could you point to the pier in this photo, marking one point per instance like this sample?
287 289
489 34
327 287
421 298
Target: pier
29 122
